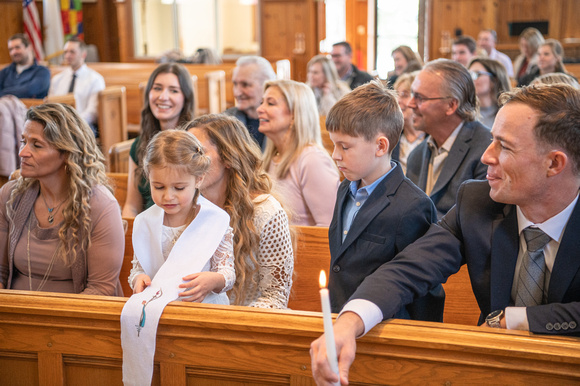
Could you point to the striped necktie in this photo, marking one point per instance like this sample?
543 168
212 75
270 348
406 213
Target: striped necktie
532 274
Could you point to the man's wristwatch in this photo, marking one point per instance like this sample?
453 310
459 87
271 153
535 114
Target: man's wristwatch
494 318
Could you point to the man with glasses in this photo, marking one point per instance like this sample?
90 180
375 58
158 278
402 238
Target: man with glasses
445 107
348 72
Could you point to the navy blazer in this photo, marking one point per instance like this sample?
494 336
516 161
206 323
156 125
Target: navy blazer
463 163
393 216
484 235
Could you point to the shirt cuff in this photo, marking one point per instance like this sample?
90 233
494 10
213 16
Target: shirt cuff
368 311
516 318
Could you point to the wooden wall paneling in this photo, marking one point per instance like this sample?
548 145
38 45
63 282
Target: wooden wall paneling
449 15
125 30
100 25
356 31
11 12
569 26
288 31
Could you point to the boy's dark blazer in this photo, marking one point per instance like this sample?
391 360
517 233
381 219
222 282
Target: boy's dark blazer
394 215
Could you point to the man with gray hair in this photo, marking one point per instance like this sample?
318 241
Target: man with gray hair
249 76
445 107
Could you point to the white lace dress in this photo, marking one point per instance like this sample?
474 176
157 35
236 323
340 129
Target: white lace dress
221 262
275 256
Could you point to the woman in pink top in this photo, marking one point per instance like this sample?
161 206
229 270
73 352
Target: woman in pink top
306 177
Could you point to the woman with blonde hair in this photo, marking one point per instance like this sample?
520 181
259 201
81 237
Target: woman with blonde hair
60 225
410 138
238 183
168 103
491 79
530 40
550 60
294 156
324 81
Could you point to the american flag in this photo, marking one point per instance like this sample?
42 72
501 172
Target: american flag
32 27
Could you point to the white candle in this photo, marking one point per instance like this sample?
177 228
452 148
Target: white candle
328 329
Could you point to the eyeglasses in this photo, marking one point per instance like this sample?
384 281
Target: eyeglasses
419 99
476 74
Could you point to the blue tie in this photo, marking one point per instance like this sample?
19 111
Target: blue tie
72 84
532 275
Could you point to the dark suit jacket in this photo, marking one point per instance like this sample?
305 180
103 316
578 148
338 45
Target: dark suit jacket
484 235
358 77
251 124
463 163
393 216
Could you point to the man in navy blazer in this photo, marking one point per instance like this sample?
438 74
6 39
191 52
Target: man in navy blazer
445 106
533 180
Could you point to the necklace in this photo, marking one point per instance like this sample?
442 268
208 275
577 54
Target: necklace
50 265
50 210
176 232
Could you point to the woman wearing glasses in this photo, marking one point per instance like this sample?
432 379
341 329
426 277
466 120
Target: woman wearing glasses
490 79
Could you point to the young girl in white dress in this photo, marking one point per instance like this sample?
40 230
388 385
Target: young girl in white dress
176 165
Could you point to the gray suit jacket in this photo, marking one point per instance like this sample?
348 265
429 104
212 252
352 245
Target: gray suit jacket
463 163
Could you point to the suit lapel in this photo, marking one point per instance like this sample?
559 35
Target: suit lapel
567 261
335 229
456 155
504 255
373 206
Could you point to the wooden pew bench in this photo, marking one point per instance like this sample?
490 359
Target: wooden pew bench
313 255
62 339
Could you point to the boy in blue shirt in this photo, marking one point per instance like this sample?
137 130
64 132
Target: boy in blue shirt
378 211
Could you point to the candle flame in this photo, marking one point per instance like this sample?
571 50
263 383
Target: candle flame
322 279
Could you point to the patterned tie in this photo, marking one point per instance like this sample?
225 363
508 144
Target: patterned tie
72 84
533 270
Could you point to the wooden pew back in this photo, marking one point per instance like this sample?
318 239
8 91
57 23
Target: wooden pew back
313 255
65 339
112 112
119 156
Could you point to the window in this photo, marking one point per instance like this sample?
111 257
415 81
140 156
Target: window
227 26
397 24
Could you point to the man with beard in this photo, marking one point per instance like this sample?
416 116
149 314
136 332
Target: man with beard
23 78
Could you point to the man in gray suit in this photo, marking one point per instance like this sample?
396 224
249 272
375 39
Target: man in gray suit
445 107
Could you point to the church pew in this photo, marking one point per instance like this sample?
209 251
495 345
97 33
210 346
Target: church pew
118 182
65 339
118 156
112 121
313 255
68 99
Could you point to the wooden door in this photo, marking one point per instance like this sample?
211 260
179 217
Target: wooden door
289 30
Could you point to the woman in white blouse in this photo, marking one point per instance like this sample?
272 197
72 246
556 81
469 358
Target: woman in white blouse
238 183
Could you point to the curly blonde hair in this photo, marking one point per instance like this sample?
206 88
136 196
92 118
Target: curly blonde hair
67 132
247 180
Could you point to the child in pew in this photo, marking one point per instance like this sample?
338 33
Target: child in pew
176 165
378 211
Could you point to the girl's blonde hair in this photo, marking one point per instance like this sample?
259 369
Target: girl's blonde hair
177 148
67 132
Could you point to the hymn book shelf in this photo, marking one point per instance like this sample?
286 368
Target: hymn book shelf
61 339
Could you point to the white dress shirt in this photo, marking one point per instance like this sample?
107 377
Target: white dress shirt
503 59
88 83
